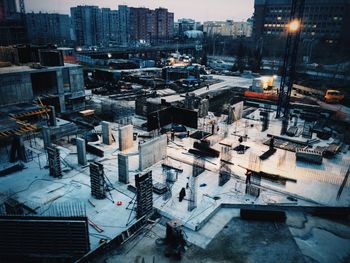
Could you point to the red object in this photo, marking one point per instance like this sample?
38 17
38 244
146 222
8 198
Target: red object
264 96
119 203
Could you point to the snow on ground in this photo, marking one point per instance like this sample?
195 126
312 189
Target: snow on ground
315 184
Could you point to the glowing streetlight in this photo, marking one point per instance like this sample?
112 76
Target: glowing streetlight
294 25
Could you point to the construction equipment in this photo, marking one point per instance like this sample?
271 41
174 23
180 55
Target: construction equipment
290 58
311 156
329 96
270 177
22 8
333 96
174 239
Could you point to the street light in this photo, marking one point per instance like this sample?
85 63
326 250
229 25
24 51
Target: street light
294 25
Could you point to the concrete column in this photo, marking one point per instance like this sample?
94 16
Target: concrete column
53 120
81 149
62 102
106 133
60 91
125 137
123 168
46 136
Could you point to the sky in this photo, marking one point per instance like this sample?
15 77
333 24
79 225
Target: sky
200 10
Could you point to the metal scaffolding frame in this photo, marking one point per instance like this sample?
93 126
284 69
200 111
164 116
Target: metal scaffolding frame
290 59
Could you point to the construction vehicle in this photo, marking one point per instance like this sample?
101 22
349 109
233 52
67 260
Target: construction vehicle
264 82
329 96
261 95
333 96
262 89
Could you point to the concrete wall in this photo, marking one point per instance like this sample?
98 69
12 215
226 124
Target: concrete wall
81 149
125 137
238 110
15 88
203 108
60 90
76 79
152 152
106 133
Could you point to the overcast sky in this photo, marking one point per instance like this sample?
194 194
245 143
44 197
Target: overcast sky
201 10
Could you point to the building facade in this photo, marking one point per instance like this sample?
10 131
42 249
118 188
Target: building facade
8 8
12 30
114 26
138 24
87 25
124 25
45 28
324 20
64 86
105 26
228 28
186 24
152 26
93 26
164 25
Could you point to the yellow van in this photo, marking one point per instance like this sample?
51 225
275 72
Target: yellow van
333 96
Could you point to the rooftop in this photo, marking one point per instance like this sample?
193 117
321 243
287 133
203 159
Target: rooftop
26 68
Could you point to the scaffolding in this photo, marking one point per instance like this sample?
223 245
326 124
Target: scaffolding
54 161
97 179
144 195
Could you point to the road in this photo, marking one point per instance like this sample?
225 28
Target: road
227 82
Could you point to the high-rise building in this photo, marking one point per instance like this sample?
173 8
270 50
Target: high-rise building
12 30
124 25
151 25
8 8
170 26
105 26
164 25
138 23
324 20
87 25
114 26
43 28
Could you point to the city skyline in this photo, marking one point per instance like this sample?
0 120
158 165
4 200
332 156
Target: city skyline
209 11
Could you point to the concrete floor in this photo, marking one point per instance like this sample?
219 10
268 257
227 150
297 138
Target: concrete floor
239 241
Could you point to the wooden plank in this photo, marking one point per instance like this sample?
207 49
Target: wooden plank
96 227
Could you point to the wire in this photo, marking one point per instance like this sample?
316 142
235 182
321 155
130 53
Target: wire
112 226
113 188
36 180
138 241
99 236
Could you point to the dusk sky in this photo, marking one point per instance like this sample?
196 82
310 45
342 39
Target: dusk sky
201 10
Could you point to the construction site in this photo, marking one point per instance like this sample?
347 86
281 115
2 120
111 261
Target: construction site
141 168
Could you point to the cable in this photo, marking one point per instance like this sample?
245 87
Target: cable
34 181
99 236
